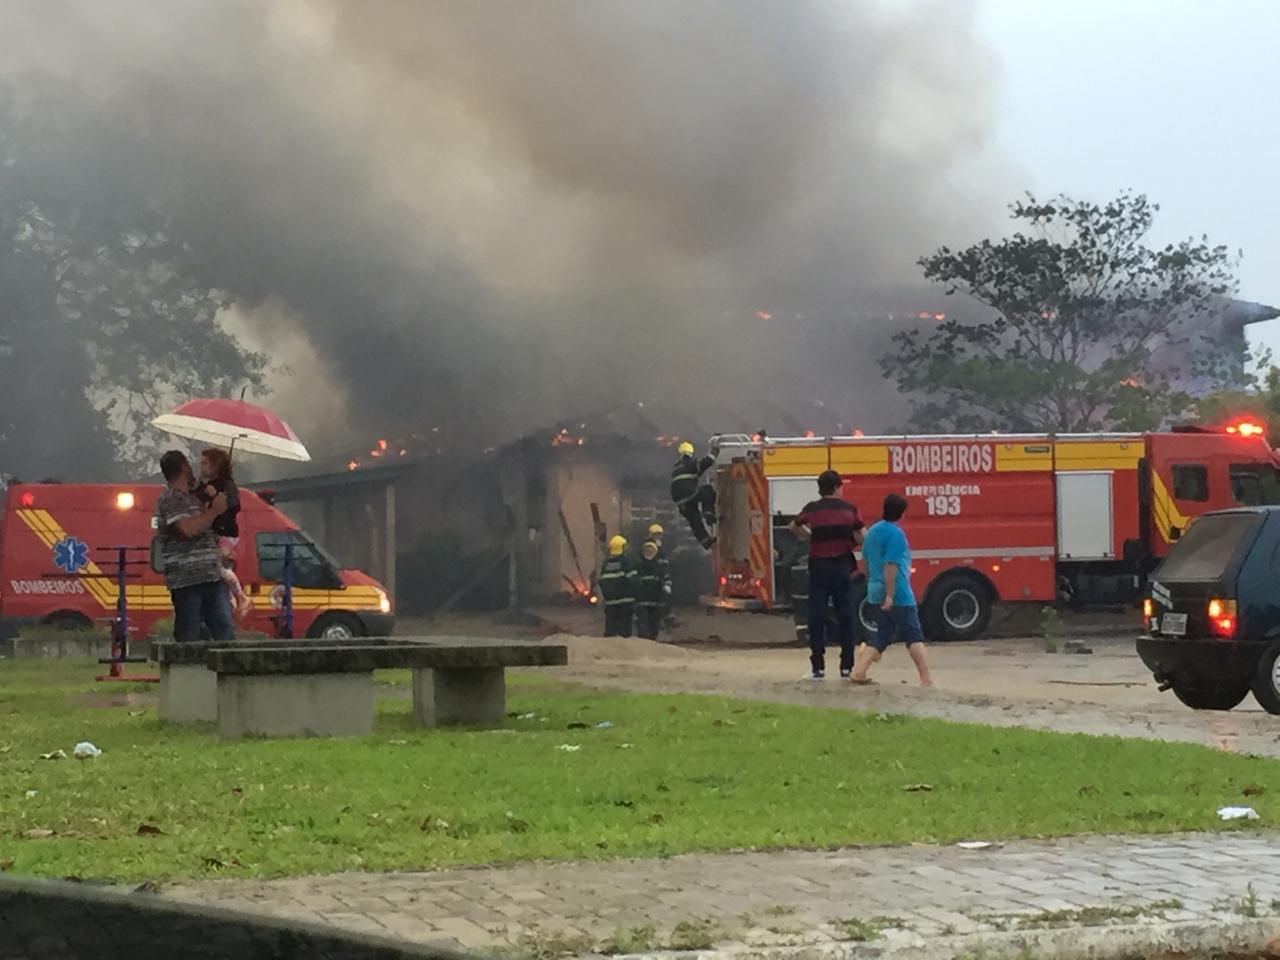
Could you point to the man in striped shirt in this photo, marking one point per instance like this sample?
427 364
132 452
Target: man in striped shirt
833 528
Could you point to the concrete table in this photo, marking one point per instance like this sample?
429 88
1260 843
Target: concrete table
303 689
189 689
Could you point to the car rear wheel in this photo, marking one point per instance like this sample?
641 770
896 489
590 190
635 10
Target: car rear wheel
1221 695
958 607
1266 680
336 626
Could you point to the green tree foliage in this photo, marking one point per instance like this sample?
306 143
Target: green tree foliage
1260 401
104 320
1077 309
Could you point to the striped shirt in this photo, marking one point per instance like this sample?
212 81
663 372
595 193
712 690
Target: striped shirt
188 561
832 523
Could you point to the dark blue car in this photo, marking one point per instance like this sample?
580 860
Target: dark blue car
1213 612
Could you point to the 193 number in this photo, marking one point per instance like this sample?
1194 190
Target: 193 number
942 506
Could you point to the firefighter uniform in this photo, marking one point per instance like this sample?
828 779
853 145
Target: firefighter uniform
653 588
695 501
618 581
655 535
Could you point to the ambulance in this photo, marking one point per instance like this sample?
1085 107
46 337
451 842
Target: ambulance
57 565
1032 518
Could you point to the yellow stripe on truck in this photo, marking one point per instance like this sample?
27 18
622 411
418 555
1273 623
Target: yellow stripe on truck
806 461
1099 455
1024 457
860 459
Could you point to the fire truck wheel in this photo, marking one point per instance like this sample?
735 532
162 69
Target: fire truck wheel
68 620
957 607
336 626
1214 696
1266 680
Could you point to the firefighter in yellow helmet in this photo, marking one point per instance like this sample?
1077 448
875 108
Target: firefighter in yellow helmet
656 534
696 501
617 581
652 591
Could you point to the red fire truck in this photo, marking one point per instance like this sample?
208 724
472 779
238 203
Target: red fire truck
1031 517
53 570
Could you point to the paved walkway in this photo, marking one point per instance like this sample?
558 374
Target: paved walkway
893 895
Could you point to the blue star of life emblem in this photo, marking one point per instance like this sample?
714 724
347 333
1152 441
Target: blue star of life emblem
71 555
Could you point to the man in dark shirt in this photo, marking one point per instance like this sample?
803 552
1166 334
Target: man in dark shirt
833 528
189 553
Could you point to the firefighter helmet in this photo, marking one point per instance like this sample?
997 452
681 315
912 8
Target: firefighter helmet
685 449
617 546
655 530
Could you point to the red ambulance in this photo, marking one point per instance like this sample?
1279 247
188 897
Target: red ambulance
991 517
53 570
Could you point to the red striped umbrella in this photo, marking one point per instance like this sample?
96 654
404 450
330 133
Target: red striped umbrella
236 424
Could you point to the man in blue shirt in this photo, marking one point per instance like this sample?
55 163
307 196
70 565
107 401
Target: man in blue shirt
888 558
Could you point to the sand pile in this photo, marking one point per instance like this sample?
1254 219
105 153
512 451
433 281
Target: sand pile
586 649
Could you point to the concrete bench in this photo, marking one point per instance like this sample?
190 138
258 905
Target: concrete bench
310 689
189 689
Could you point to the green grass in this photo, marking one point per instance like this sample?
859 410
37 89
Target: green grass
674 774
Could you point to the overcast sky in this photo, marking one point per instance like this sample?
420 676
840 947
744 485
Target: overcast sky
1179 99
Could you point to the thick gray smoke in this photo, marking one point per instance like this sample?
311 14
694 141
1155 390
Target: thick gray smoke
492 214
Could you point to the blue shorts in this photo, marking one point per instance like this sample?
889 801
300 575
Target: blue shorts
898 623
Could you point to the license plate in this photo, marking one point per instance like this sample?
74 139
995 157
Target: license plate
1174 624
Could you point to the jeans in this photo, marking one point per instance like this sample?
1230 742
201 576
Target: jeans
207 603
830 580
897 623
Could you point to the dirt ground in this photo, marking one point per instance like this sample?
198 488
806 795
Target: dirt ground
1002 682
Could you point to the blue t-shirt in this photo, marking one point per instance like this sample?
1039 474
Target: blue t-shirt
885 543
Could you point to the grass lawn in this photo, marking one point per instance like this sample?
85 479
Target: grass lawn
672 774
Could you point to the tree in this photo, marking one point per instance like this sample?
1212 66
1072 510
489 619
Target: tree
1083 322
103 320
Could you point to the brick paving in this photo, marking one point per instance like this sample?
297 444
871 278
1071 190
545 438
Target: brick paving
789 898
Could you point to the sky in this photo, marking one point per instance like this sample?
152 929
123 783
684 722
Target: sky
1173 98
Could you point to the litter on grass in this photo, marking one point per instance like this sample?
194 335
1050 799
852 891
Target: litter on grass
54 755
84 750
1238 813
570 747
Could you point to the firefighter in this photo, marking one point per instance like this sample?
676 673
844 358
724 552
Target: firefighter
617 582
653 589
695 501
655 534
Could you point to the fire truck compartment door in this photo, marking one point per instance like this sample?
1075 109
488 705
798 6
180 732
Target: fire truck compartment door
1084 516
788 495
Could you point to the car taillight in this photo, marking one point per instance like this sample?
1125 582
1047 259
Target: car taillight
1222 617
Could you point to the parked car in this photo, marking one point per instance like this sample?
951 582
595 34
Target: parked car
1213 612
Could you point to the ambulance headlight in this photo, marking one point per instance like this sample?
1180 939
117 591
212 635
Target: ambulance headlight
124 500
384 602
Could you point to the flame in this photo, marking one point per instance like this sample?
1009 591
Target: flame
382 444
857 432
939 317
809 434
353 465
764 315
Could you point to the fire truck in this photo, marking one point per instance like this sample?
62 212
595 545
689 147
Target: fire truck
1038 518
55 555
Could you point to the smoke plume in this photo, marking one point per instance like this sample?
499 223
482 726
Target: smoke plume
491 214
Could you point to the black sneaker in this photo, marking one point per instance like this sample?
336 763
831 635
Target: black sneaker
845 674
818 675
